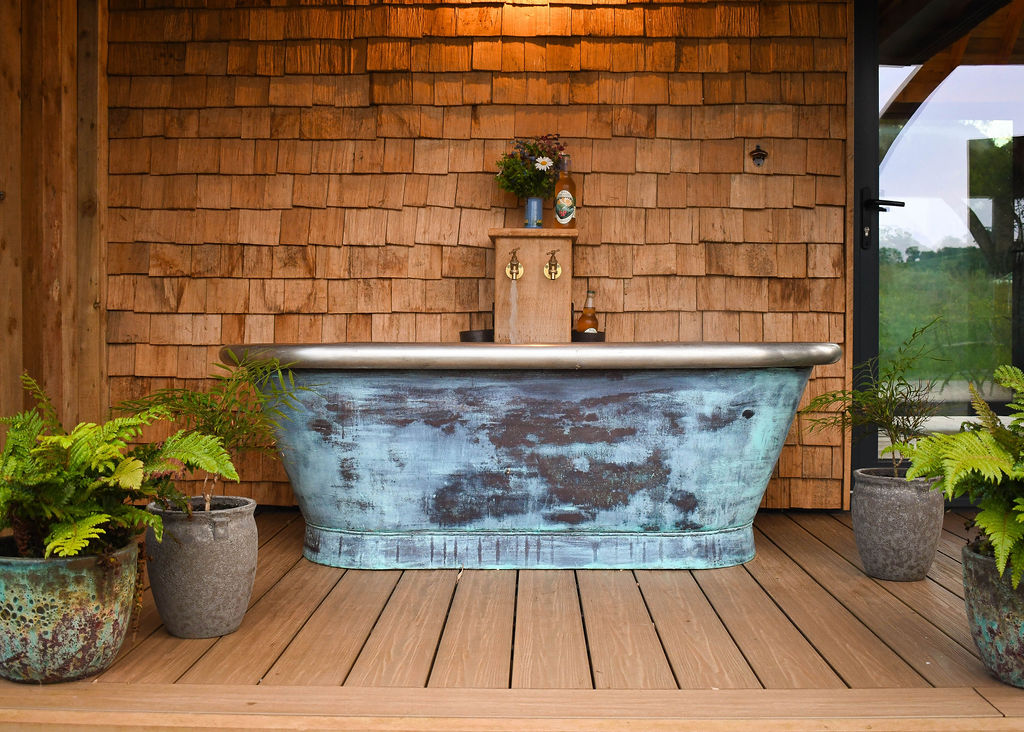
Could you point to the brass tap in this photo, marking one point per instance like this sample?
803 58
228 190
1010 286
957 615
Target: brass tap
514 269
553 269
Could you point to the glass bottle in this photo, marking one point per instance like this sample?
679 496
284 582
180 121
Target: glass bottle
565 197
587 322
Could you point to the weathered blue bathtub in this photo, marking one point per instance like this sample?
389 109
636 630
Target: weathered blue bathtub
539 456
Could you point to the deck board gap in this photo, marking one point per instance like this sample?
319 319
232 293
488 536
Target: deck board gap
586 635
373 627
515 620
657 631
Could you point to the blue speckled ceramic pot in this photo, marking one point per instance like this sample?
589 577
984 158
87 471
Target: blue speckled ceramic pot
64 618
995 613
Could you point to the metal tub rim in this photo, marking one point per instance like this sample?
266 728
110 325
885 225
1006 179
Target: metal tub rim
560 356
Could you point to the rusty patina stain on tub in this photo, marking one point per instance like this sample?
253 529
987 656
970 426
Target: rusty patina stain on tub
401 461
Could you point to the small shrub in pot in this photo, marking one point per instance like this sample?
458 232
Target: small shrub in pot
896 522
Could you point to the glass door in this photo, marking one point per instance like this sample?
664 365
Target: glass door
951 151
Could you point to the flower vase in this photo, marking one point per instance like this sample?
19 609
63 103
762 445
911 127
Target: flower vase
534 212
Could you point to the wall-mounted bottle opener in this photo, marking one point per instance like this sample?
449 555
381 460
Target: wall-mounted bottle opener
553 269
514 269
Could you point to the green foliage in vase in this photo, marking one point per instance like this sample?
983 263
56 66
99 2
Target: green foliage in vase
70 493
531 169
883 398
984 461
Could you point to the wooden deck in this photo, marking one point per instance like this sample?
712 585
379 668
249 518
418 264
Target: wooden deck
798 638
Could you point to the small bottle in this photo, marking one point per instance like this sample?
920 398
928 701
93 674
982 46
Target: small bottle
565 197
587 322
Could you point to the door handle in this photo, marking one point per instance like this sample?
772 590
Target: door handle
878 204
870 206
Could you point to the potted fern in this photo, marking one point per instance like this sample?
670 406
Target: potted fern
202 573
985 461
68 566
896 522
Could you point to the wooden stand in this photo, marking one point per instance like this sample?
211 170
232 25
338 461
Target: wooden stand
533 308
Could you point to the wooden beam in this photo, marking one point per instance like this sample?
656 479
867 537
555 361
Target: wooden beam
1011 32
89 338
49 182
11 316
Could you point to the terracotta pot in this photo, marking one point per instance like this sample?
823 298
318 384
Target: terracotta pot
995 614
896 522
63 618
203 571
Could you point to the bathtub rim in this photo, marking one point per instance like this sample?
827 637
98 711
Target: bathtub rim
546 356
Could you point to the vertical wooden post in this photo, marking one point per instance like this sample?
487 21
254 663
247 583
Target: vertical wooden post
89 338
49 200
11 318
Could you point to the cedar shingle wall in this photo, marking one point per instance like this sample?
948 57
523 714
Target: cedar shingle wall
307 174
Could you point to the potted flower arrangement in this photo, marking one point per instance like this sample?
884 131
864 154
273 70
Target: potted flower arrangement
68 569
896 522
202 573
530 172
985 461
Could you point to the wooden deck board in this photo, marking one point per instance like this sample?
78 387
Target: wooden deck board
932 653
414 650
319 655
476 647
852 651
931 600
401 648
779 655
550 649
699 647
625 651
261 707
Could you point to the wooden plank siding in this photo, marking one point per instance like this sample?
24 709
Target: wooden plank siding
325 173
775 643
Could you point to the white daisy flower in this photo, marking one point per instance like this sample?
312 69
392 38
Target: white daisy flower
543 163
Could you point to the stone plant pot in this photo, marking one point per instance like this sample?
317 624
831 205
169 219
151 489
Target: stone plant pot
63 618
203 571
995 614
896 522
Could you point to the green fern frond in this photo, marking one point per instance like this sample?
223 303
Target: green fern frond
989 419
68 539
197 452
135 518
44 404
1016 565
128 474
1001 527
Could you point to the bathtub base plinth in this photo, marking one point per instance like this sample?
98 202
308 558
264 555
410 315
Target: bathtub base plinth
526 550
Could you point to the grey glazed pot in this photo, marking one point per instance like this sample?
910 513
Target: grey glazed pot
202 572
896 523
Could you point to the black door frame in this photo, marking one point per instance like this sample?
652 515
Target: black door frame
864 244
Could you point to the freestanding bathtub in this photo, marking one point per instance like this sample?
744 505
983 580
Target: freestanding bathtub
537 456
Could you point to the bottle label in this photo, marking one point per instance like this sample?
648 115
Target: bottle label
565 206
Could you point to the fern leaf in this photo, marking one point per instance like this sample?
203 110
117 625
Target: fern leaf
135 518
128 474
198 452
1001 527
68 539
1017 565
989 419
